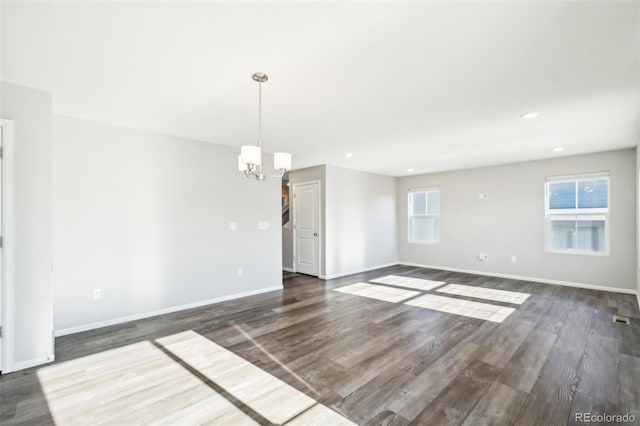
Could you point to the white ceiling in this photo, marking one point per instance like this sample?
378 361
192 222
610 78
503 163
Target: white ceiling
428 86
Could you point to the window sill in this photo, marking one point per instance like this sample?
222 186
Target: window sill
425 243
580 253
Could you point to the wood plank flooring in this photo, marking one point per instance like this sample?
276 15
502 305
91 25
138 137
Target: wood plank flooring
312 355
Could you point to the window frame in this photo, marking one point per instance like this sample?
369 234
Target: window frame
577 212
426 215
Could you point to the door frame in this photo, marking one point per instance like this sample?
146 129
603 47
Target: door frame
320 230
6 278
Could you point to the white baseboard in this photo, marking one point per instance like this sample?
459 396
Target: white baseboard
288 269
356 271
134 317
23 365
522 278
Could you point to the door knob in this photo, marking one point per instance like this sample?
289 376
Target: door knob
315 234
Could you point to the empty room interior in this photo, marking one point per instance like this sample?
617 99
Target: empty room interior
319 213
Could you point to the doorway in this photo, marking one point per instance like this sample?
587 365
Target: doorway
306 228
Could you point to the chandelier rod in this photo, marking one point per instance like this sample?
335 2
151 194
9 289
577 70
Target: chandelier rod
260 114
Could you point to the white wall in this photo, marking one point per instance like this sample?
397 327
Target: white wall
511 221
360 215
33 323
358 219
144 217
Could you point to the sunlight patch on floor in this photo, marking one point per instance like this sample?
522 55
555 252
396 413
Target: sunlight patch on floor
485 293
379 292
319 415
276 360
135 383
262 392
179 379
409 282
483 311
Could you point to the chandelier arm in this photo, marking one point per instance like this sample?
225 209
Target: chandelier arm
254 175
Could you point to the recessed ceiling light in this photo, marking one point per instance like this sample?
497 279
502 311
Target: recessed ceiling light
558 148
529 115
409 170
348 155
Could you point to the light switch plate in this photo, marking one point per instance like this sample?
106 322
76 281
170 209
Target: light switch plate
263 225
233 226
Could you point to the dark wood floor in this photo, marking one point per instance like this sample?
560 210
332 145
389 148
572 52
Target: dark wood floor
377 362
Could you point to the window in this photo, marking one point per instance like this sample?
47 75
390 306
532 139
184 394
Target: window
424 216
577 214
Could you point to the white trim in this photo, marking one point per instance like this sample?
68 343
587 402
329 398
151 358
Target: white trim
320 230
134 317
356 271
425 243
577 176
7 281
523 278
580 253
288 269
424 189
23 365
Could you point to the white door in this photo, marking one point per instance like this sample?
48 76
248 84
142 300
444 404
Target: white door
306 228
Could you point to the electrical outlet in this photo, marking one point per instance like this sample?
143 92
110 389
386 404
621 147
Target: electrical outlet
233 226
514 259
483 256
483 196
240 272
97 294
263 225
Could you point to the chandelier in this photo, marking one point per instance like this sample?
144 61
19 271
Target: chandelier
250 158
